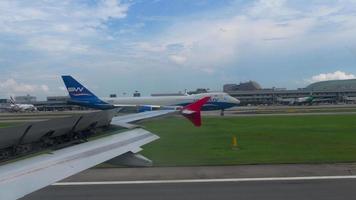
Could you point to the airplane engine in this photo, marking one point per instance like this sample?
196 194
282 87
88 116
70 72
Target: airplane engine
131 160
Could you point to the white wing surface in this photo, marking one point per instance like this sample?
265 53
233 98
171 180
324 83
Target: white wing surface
124 120
25 176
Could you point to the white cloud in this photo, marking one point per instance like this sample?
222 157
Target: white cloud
55 37
45 88
43 16
62 88
146 46
11 86
59 26
215 43
56 45
178 59
267 27
276 9
338 75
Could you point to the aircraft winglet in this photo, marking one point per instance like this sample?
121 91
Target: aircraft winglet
192 111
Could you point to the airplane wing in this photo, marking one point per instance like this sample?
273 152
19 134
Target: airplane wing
143 108
26 176
133 105
124 121
22 177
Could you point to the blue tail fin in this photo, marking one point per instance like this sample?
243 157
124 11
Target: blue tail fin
80 95
76 90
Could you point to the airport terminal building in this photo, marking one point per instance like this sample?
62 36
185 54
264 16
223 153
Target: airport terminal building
251 93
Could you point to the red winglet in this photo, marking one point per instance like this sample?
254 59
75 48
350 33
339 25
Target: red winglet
192 111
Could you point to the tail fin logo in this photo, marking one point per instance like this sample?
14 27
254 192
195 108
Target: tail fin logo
78 91
73 89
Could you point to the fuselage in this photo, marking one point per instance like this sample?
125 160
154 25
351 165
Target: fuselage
349 98
22 107
80 95
218 101
298 100
305 99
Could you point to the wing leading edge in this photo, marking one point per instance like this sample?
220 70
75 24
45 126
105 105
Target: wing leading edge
23 177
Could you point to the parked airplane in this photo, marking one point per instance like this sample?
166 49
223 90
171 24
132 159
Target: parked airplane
350 99
22 177
82 96
17 107
297 101
308 100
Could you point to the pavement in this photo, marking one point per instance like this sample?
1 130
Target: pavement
235 112
238 114
290 181
213 172
266 190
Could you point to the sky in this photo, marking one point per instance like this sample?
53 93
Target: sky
153 46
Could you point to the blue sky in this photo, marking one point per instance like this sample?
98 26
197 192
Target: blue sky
170 45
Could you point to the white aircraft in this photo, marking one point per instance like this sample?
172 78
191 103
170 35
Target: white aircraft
17 107
308 100
297 101
218 100
22 177
350 99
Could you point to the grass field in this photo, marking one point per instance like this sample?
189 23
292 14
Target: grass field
283 139
4 124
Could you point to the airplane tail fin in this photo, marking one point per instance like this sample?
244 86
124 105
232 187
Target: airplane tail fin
12 101
192 111
77 90
80 95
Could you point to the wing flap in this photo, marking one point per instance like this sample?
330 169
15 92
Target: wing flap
23 177
126 119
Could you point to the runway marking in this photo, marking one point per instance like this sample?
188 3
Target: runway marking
205 180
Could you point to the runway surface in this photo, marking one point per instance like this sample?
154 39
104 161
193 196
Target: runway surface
231 114
214 172
267 190
290 181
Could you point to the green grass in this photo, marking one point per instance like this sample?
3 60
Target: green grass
4 124
282 139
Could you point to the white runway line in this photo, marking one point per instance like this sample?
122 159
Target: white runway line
206 180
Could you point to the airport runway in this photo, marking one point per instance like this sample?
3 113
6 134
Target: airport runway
237 111
266 190
288 181
232 114
213 172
